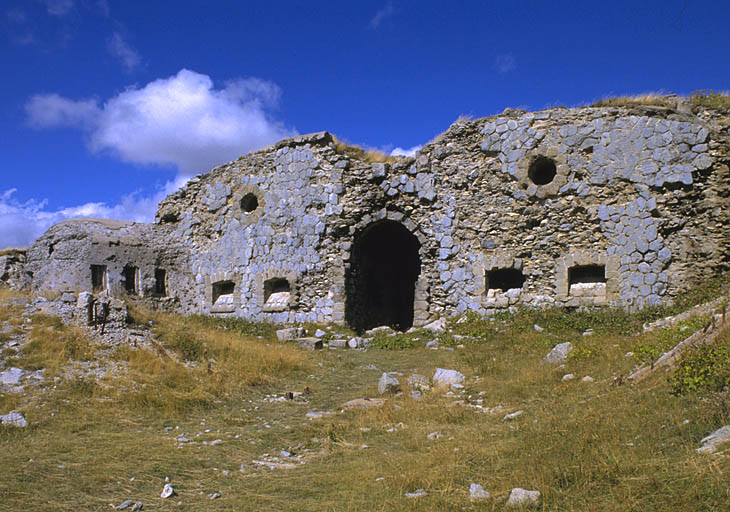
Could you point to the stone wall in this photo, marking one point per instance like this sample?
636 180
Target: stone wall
579 207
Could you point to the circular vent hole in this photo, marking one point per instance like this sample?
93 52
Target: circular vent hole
542 170
249 202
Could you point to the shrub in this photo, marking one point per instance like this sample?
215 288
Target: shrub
397 342
662 340
705 367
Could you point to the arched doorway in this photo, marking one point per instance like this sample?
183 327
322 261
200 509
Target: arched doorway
380 283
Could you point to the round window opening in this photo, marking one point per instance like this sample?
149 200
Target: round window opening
542 170
249 202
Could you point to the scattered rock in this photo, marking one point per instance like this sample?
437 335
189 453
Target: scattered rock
214 495
435 435
310 343
437 325
433 345
124 504
314 415
559 353
522 497
337 343
714 440
363 403
538 329
419 382
291 333
478 493
319 333
14 419
388 384
416 395
167 491
11 376
418 493
183 439
446 378
383 329
356 342
568 376
513 415
587 378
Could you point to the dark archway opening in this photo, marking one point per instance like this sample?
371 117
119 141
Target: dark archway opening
381 281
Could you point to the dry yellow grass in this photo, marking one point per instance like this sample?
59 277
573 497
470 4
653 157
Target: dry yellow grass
585 446
656 99
365 155
715 100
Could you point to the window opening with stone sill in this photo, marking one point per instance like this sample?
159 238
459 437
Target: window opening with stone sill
223 296
98 278
160 285
277 294
130 276
542 170
503 279
587 280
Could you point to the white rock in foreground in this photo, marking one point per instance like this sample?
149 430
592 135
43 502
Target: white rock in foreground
14 419
290 333
478 493
167 491
445 378
521 497
388 384
418 493
11 376
437 325
559 353
714 440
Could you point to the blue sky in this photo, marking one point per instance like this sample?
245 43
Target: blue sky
107 105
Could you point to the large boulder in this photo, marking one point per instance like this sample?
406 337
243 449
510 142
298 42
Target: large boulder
388 384
714 440
523 498
559 353
445 378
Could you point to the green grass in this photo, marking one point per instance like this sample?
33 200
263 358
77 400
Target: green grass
585 446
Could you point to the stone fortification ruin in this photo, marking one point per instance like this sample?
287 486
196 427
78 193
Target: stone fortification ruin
570 207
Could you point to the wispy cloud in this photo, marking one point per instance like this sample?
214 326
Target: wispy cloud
59 7
183 120
505 63
380 16
23 222
411 152
120 49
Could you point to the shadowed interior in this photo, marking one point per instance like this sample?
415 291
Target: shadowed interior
380 283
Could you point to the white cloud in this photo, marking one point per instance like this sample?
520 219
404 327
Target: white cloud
23 222
182 120
59 7
120 49
382 15
49 110
411 152
505 63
